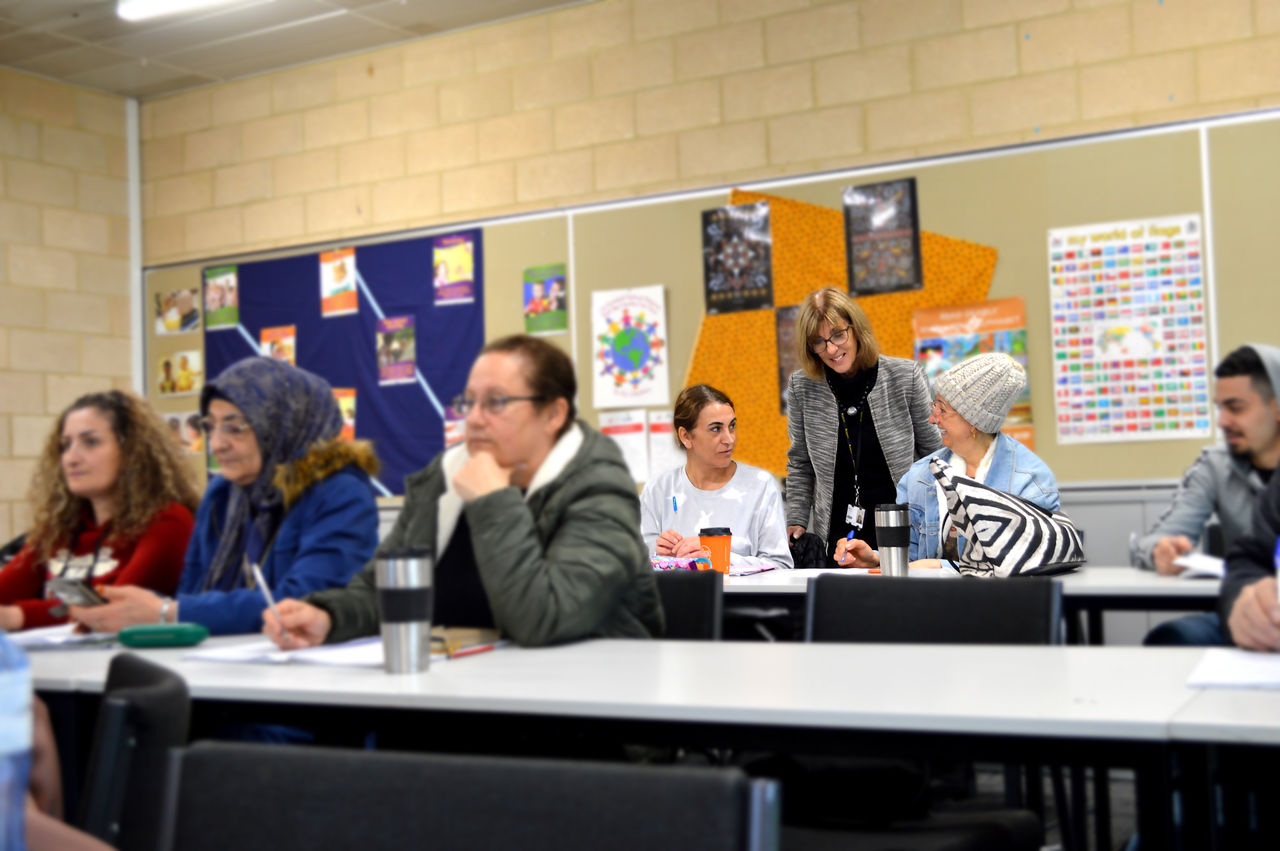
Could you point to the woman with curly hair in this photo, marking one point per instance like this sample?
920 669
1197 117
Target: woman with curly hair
114 504
290 497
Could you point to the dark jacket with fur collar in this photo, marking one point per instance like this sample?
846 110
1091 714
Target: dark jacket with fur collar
329 531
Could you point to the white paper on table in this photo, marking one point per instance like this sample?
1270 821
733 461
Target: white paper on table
61 636
360 653
1228 667
663 453
627 428
1200 565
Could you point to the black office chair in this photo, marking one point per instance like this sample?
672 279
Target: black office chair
1022 610
250 797
145 711
693 601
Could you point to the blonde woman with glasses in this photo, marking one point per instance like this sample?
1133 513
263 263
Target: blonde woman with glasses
857 420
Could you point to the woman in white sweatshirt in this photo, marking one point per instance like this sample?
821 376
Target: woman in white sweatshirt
710 490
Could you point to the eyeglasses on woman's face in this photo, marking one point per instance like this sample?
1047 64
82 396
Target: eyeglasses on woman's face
490 405
837 339
941 409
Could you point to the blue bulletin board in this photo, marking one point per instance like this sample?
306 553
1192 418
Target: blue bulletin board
430 279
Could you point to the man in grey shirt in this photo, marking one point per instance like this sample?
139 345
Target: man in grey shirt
1225 481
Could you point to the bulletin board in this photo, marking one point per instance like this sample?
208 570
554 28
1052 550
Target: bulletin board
1005 201
282 290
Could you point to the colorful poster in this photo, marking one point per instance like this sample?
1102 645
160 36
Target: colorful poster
627 428
545 295
346 399
1127 306
788 356
186 431
944 336
181 373
737 265
396 350
453 264
882 232
664 454
280 343
221 298
177 312
338 296
628 330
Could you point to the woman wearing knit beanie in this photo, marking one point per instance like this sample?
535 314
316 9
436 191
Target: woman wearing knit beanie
973 398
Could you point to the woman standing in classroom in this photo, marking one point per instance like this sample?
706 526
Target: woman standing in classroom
857 420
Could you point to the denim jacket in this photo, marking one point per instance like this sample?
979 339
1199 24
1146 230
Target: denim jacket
1015 469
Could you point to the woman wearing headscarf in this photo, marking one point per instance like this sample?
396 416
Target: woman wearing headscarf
857 420
973 399
290 497
533 522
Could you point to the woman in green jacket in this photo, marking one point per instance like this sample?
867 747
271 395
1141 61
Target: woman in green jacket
533 522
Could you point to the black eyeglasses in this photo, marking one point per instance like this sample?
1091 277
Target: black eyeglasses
819 345
491 405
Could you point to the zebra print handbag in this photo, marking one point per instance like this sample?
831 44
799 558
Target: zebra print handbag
1006 535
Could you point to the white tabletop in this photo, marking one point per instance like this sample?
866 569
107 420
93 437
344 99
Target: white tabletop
1088 692
1089 581
1229 716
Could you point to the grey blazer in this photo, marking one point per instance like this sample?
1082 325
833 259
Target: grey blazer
899 405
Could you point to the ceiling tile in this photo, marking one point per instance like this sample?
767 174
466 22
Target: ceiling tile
65 63
325 37
26 45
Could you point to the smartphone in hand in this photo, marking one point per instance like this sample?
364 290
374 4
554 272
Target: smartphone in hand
75 592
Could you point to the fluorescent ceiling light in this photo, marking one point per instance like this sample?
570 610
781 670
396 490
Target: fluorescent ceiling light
141 10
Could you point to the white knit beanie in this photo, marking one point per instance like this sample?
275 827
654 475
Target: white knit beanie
982 389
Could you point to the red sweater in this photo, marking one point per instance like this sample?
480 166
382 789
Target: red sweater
152 560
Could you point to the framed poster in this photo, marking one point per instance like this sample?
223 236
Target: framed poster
737 264
882 232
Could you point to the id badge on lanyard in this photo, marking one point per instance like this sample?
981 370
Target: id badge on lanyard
855 515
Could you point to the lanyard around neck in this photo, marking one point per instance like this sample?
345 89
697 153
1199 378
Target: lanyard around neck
97 550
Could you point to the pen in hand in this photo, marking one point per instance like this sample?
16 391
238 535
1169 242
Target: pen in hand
271 601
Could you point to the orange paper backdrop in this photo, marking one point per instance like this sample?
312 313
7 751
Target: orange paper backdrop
738 352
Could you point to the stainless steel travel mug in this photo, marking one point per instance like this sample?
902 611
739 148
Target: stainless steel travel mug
404 608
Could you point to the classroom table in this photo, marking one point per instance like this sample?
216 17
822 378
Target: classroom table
1088 592
1051 705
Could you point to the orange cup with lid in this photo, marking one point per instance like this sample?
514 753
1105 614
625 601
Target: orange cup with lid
715 543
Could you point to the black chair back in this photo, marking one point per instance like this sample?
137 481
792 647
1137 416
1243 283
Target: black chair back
145 711
1020 610
248 797
693 601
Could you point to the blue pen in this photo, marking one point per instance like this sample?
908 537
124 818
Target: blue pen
849 537
674 507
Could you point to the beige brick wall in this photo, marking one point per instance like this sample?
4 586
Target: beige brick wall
614 99
64 275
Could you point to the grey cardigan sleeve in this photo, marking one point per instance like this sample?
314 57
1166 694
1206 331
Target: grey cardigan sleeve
799 467
1190 509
